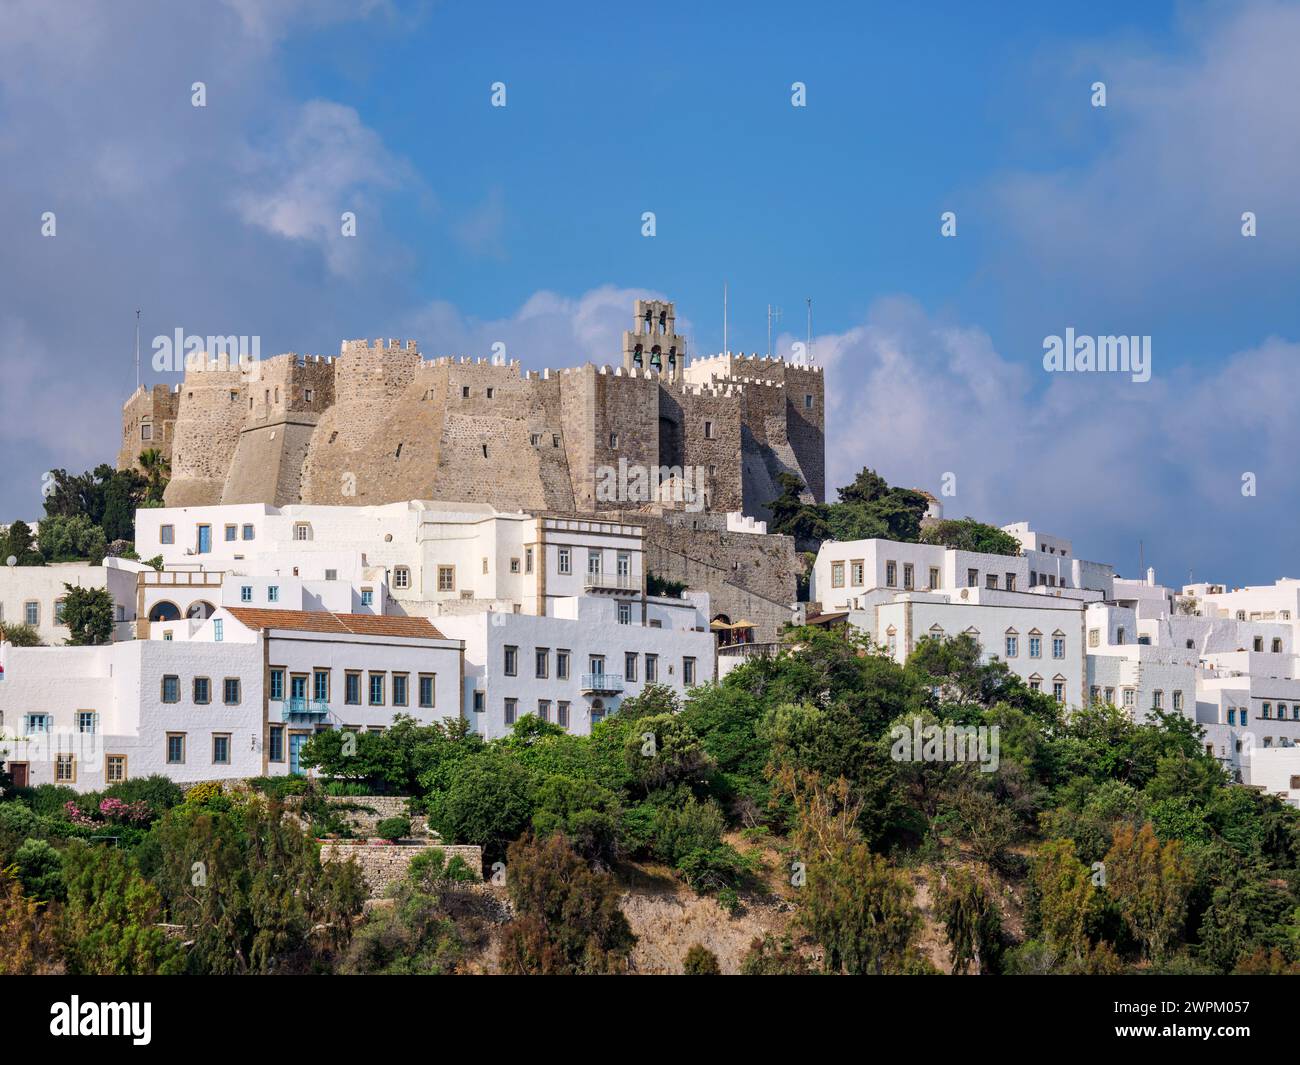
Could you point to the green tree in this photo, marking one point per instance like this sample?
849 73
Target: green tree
568 920
19 542
488 802
71 539
1067 899
1150 884
88 613
157 472
971 917
28 943
40 868
967 534
110 922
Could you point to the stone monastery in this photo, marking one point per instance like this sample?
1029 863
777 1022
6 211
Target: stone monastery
380 424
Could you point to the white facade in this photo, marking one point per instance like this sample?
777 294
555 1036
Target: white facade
1040 640
575 665
33 595
231 696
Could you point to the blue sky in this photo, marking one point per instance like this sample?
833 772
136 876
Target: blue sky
523 224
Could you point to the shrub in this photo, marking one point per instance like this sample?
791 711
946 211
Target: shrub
393 828
21 635
700 961
40 868
160 792
48 800
489 803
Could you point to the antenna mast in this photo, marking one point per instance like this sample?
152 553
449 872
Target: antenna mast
810 353
772 312
137 348
724 318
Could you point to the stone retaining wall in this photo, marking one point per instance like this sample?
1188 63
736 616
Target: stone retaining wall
384 865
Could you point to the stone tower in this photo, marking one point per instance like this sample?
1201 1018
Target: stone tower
653 344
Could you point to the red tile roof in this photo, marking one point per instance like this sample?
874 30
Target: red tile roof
324 621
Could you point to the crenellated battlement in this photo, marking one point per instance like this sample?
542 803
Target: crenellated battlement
390 424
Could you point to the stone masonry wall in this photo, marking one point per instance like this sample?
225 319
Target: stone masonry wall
383 866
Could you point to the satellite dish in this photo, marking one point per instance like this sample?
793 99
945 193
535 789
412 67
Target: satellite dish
11 561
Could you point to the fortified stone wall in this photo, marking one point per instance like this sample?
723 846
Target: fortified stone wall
378 424
155 407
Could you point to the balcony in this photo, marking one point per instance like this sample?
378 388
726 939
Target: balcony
602 683
617 582
301 707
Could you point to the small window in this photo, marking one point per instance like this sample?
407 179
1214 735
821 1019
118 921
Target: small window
534 438
562 714
491 393
478 702
400 686
464 391
87 722
446 578
218 630
221 748
352 689
510 664
807 401
837 574
115 768
629 666
171 688
688 671
401 577
625 613
277 685
230 694
542 663
246 593
146 431
65 769
175 748
202 691
273 593
613 440
308 394
565 560
167 534
302 531
248 532
651 669
708 430
367 597
426 690
275 751
528 560
562 665
231 532
512 708
377 689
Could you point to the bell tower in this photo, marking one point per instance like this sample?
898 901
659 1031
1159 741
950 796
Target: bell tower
653 343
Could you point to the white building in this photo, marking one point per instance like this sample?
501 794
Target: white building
33 595
234 695
1039 638
575 665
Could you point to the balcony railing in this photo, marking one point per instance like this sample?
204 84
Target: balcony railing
602 682
301 706
611 582
746 650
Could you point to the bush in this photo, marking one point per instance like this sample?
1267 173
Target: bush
700 961
393 828
160 792
21 635
40 868
48 800
489 803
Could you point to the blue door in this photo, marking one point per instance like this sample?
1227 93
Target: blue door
205 539
296 740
